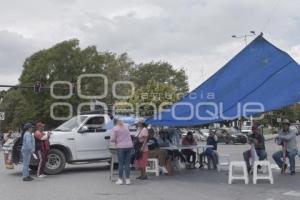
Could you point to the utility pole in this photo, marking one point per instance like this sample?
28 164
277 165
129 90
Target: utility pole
244 37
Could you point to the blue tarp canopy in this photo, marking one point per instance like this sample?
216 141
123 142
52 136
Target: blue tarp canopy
260 78
129 120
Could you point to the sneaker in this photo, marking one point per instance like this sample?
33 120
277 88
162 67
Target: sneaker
42 176
144 178
292 173
127 181
164 170
283 169
139 177
27 179
119 182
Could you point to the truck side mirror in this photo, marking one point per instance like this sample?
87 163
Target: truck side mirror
83 129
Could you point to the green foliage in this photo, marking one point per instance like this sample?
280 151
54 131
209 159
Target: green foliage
66 61
291 112
154 97
161 72
16 109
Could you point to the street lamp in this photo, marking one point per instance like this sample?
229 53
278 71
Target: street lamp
245 37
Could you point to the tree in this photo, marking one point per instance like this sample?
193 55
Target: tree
15 108
66 61
2 94
153 97
291 112
161 72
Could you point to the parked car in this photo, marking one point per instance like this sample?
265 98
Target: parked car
199 136
196 134
82 139
204 132
230 136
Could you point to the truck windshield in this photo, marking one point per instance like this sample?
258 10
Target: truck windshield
71 124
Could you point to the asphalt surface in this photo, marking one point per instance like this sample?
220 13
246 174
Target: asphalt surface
90 182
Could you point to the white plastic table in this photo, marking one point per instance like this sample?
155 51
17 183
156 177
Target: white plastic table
181 147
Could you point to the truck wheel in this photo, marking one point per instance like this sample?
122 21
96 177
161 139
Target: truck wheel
56 162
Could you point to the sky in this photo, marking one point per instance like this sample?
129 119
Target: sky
191 34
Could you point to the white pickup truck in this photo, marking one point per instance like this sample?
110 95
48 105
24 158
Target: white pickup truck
82 139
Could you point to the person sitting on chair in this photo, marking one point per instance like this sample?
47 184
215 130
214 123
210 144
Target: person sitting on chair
164 141
257 139
210 152
156 152
286 138
189 153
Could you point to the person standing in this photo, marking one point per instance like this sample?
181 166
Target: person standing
42 147
287 139
121 137
257 139
28 148
141 162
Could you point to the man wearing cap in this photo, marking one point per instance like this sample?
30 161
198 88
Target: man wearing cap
42 148
286 138
28 147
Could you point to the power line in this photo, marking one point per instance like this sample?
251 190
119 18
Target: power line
22 86
270 17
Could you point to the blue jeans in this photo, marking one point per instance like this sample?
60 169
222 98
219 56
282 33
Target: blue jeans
212 156
124 162
291 155
26 161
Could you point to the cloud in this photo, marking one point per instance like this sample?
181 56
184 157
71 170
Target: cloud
190 34
13 50
295 53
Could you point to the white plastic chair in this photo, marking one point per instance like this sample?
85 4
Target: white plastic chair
153 166
223 161
232 176
257 176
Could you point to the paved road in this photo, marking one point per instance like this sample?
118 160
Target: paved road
90 182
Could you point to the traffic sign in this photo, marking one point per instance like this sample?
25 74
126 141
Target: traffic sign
2 116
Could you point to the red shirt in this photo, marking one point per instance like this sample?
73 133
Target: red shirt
186 141
42 145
